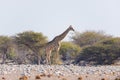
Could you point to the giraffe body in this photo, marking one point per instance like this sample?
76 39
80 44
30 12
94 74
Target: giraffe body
49 48
55 44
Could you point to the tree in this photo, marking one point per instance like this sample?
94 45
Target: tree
88 38
104 52
5 45
69 51
33 40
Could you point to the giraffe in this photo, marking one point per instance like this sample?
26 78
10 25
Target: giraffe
55 44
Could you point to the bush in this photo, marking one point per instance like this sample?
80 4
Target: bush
89 38
69 51
104 52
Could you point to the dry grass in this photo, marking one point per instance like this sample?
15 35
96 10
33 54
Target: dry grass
80 78
43 75
3 78
103 79
86 76
117 78
59 76
49 75
64 79
38 77
23 78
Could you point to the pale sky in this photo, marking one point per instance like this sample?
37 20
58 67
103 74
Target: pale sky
52 17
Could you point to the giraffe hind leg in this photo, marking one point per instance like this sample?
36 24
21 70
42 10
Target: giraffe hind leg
48 61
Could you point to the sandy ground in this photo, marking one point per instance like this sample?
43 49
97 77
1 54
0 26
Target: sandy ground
37 76
53 77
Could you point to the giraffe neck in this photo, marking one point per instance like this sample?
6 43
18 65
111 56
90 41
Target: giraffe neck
62 36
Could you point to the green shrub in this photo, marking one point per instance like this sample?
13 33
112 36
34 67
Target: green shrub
104 52
69 50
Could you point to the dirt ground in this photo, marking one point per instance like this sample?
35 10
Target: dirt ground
35 76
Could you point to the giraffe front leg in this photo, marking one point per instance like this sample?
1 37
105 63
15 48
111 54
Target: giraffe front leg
57 55
49 59
46 59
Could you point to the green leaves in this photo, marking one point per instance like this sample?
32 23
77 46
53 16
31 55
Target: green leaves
104 52
4 39
31 37
5 45
88 38
33 40
69 50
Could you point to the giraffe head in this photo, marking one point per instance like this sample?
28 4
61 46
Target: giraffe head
71 28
